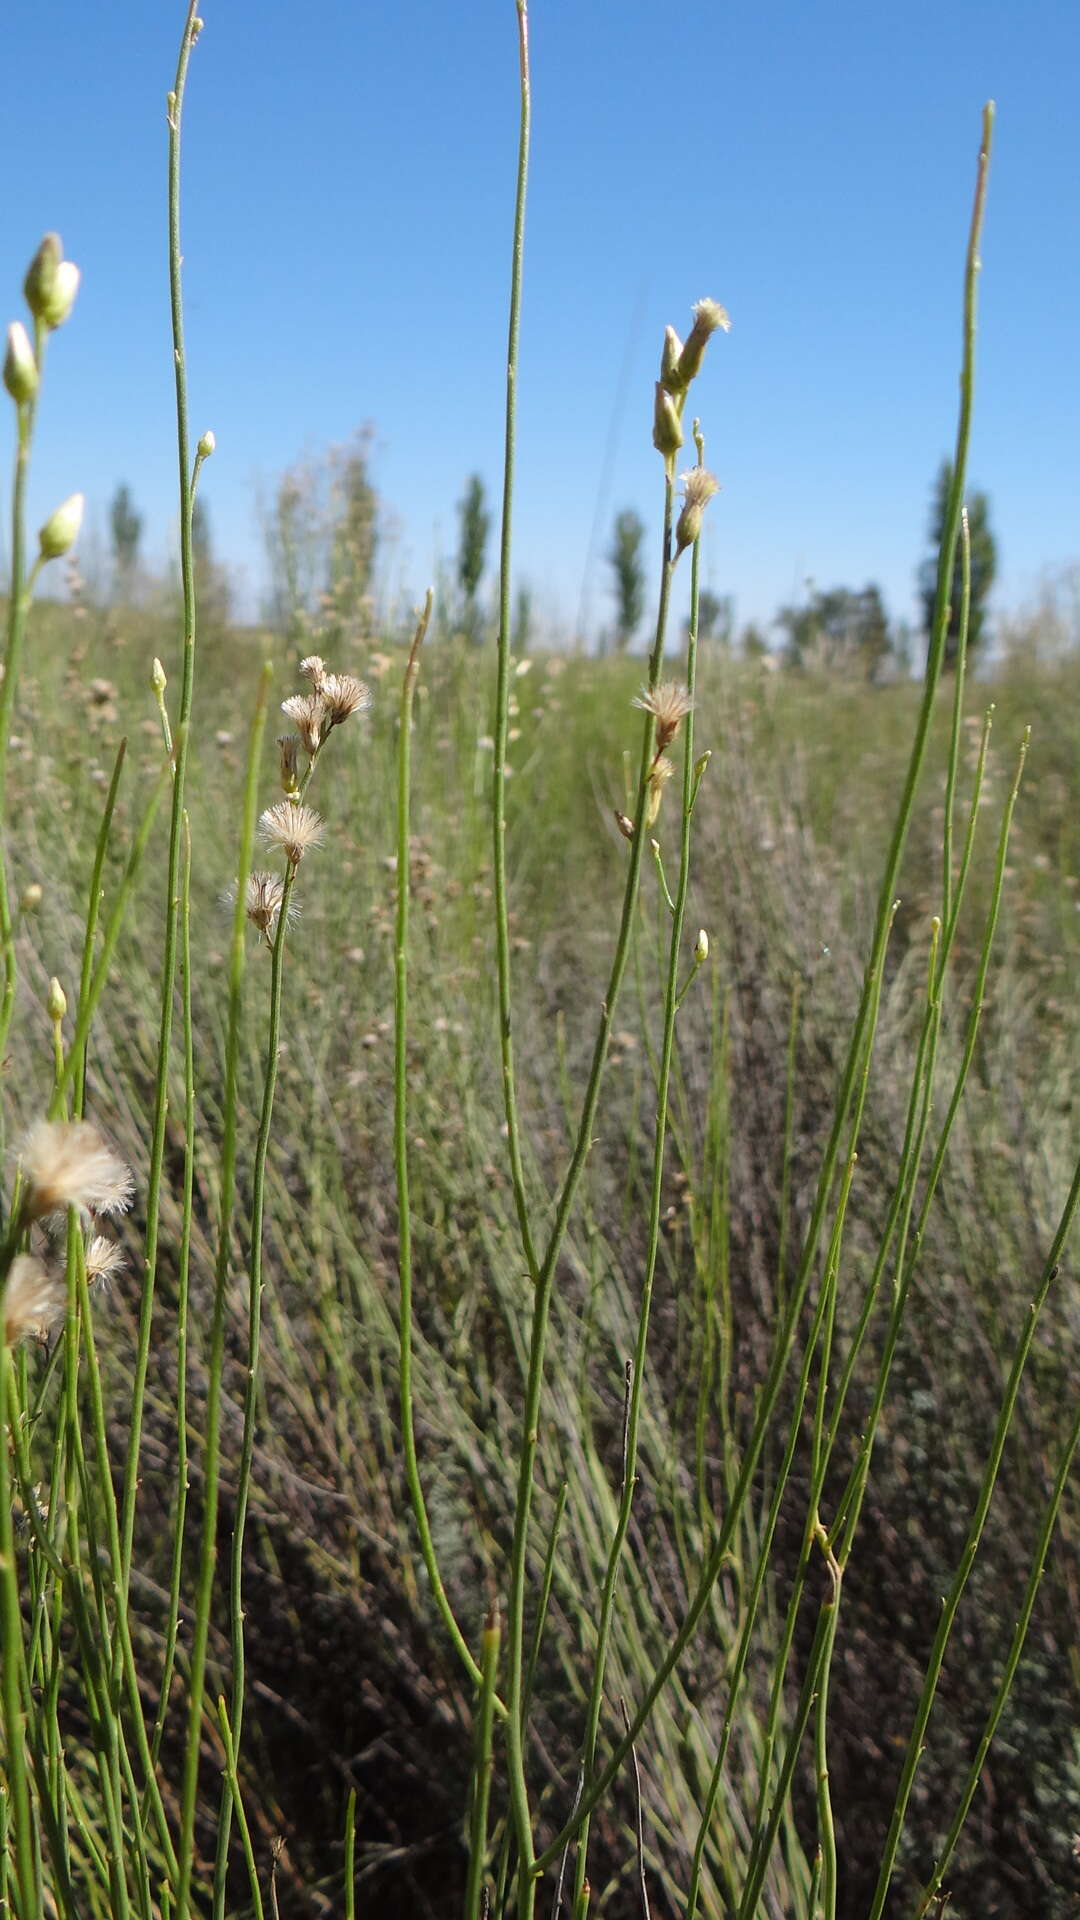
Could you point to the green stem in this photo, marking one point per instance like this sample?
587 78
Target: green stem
771 1389
502 696
483 1767
1012 1662
169 956
967 1558
528 1865
672 1001
401 1157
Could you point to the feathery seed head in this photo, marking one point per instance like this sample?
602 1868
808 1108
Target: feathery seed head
708 316
669 703
313 667
291 827
308 714
343 694
104 1260
66 1163
33 1300
20 366
262 901
699 486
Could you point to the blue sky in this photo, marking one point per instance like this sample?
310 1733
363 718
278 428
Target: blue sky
348 199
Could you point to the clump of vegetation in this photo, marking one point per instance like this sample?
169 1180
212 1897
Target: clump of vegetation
491 1289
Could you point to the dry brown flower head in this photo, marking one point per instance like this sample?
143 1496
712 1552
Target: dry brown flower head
308 715
659 774
262 901
289 750
669 703
66 1163
342 694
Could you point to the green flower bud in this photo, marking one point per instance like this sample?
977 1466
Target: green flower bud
157 677
40 283
206 446
51 283
701 948
669 363
61 529
56 1001
62 299
20 366
31 897
667 433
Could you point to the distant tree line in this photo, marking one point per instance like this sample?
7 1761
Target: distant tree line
838 628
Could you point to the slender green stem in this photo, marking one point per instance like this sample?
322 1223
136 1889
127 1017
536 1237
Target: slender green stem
975 1770
519 1800
401 1157
18 604
483 1767
182 1304
237 964
13 1669
672 1001
169 956
967 1559
502 694
771 1388
216 1355
232 1778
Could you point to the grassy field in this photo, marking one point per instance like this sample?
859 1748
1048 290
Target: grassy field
538 1354
349 1679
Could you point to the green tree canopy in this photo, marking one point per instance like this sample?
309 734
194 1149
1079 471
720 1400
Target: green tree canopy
472 548
838 629
625 558
983 568
125 532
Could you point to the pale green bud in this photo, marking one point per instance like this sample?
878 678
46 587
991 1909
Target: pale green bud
669 362
61 529
701 948
206 446
157 677
59 304
667 433
56 1001
31 897
40 283
20 366
51 283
